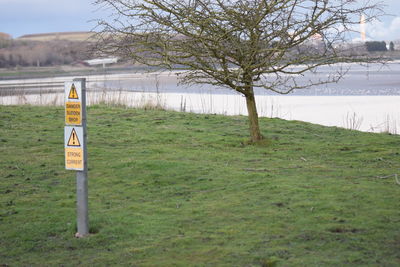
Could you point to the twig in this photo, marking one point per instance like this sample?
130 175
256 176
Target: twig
388 176
256 170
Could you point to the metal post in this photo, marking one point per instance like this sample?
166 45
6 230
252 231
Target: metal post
81 176
82 203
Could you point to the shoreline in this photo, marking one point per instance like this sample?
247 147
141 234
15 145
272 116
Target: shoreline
364 113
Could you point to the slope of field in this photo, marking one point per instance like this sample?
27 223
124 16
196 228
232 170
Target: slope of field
180 189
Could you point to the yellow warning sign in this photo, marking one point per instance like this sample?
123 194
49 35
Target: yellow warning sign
73 94
74 148
73 139
74 158
73 113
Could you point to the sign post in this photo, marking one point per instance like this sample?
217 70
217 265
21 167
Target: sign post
75 147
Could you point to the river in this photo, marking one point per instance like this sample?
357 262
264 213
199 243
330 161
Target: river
366 99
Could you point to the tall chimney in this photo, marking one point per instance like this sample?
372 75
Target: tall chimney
362 28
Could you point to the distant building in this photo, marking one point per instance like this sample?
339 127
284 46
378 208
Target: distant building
5 36
101 61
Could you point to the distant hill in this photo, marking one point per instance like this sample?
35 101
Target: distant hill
70 36
48 49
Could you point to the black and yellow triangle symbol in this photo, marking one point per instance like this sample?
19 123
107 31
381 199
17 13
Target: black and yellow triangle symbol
73 139
73 94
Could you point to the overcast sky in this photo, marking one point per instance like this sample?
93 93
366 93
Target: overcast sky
19 17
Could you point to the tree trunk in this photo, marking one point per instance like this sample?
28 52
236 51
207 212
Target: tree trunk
253 117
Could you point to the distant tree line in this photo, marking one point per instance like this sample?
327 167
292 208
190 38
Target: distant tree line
376 46
44 53
391 46
15 53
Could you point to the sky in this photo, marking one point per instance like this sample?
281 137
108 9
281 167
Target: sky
20 17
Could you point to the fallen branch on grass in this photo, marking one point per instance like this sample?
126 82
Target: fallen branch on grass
256 170
395 177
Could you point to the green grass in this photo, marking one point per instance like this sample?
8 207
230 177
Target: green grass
180 189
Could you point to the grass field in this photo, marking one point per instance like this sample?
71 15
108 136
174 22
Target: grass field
180 189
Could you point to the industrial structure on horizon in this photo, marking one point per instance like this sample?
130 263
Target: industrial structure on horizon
362 28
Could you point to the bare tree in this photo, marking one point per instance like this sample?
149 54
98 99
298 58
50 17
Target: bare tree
239 44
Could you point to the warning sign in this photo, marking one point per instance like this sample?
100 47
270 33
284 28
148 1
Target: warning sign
73 105
73 139
74 158
73 94
73 113
74 154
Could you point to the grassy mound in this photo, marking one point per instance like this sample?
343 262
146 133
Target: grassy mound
180 189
